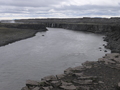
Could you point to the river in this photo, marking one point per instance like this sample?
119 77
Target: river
47 53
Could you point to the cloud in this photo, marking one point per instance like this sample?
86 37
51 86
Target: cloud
58 8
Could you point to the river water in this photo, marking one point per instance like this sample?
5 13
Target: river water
50 54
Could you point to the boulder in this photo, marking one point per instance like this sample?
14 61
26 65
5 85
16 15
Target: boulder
36 88
60 76
56 83
30 83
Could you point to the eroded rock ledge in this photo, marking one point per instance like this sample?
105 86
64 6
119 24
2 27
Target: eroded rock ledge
91 75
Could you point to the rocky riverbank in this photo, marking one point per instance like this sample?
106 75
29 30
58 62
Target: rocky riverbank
14 32
92 75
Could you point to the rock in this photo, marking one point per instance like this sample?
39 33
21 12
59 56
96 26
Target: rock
46 88
60 76
87 77
83 82
65 83
25 88
105 50
112 55
78 74
100 82
49 78
71 87
84 88
30 83
100 48
119 85
106 61
56 83
43 35
36 88
78 68
117 60
68 70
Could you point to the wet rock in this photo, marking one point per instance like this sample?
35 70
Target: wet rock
105 50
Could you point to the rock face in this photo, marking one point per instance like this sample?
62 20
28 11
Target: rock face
76 78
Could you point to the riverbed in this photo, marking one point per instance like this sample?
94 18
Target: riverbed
47 53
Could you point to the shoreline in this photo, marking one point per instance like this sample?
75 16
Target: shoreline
91 75
10 33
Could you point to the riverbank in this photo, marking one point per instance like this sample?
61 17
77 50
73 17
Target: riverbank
92 75
14 32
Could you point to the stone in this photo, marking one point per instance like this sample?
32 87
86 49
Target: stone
87 77
78 68
84 88
70 87
100 82
60 76
117 60
106 61
56 83
25 88
105 50
68 70
83 82
119 85
49 78
31 83
36 88
46 88
65 83
78 74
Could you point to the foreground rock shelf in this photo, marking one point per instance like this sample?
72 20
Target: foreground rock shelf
91 75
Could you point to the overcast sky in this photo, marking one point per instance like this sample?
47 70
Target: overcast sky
15 9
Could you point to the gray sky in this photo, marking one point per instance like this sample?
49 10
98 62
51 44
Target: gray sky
15 9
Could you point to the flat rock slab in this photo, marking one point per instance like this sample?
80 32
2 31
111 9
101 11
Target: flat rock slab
36 88
49 78
31 83
71 87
